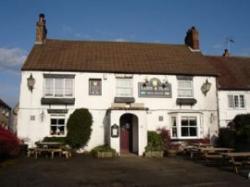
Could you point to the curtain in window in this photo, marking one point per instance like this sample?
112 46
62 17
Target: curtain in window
124 87
69 87
49 87
59 87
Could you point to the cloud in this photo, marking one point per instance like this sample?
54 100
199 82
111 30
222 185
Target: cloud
12 58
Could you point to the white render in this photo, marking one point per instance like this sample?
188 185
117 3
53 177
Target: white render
30 105
227 114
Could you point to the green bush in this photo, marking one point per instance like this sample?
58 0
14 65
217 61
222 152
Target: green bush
79 128
55 139
155 142
102 148
226 138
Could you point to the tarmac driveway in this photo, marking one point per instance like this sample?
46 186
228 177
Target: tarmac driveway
133 171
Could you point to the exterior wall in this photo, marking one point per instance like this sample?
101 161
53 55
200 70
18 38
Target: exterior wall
164 108
227 114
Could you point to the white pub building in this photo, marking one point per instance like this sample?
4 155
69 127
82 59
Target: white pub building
132 87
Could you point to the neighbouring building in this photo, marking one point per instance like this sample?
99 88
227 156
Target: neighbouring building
5 113
233 86
132 87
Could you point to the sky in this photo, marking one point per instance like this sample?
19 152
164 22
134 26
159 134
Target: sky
155 21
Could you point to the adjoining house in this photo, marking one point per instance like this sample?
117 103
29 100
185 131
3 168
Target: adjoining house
129 88
5 113
233 86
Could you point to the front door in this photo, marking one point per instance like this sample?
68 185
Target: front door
125 137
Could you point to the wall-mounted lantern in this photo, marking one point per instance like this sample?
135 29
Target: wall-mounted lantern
114 131
206 87
42 116
31 82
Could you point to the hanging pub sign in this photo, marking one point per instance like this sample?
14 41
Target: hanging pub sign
155 88
114 131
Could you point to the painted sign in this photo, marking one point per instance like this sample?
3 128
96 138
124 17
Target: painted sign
155 88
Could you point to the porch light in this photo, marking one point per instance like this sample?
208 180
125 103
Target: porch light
145 82
206 87
31 82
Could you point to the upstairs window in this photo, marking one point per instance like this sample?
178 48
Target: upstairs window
185 86
236 101
58 87
124 87
95 87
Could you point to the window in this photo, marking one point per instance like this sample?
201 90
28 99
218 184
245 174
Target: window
185 86
57 126
188 127
58 87
185 126
95 87
174 127
124 87
236 101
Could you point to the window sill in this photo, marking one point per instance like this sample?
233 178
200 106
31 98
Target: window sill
57 101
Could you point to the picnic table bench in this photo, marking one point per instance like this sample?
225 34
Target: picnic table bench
49 147
237 159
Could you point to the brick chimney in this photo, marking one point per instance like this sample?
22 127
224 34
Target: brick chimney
226 53
192 38
41 30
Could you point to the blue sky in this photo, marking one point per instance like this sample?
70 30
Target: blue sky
161 21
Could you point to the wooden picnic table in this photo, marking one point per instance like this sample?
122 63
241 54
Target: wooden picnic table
237 159
215 149
48 147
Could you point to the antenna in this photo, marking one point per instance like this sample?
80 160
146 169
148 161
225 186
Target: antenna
229 40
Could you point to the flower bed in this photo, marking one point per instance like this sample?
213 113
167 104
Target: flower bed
103 151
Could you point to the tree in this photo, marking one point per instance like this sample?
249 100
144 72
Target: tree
79 128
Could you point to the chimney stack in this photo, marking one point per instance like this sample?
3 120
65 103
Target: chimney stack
41 30
226 53
192 38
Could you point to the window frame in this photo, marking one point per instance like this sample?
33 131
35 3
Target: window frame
185 79
57 117
179 117
130 87
53 92
236 101
99 92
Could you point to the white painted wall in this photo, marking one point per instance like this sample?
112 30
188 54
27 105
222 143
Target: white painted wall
227 114
30 104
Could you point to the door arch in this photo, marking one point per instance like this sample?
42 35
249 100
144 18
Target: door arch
129 133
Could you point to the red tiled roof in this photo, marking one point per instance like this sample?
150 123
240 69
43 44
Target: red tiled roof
116 57
233 72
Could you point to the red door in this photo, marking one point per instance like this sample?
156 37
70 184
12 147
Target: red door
124 135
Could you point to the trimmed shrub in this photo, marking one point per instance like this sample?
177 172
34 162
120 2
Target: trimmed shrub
226 138
155 142
55 139
102 148
9 144
79 128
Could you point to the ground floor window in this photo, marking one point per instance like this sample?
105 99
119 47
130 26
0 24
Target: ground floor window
184 126
188 126
57 126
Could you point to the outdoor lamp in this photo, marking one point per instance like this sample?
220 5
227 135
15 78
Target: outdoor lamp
206 87
31 82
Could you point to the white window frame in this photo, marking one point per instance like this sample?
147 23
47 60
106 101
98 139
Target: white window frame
190 80
119 87
52 94
235 101
179 117
57 117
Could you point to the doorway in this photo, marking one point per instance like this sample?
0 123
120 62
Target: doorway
129 133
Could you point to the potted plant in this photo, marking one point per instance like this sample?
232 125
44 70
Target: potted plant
103 151
155 145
